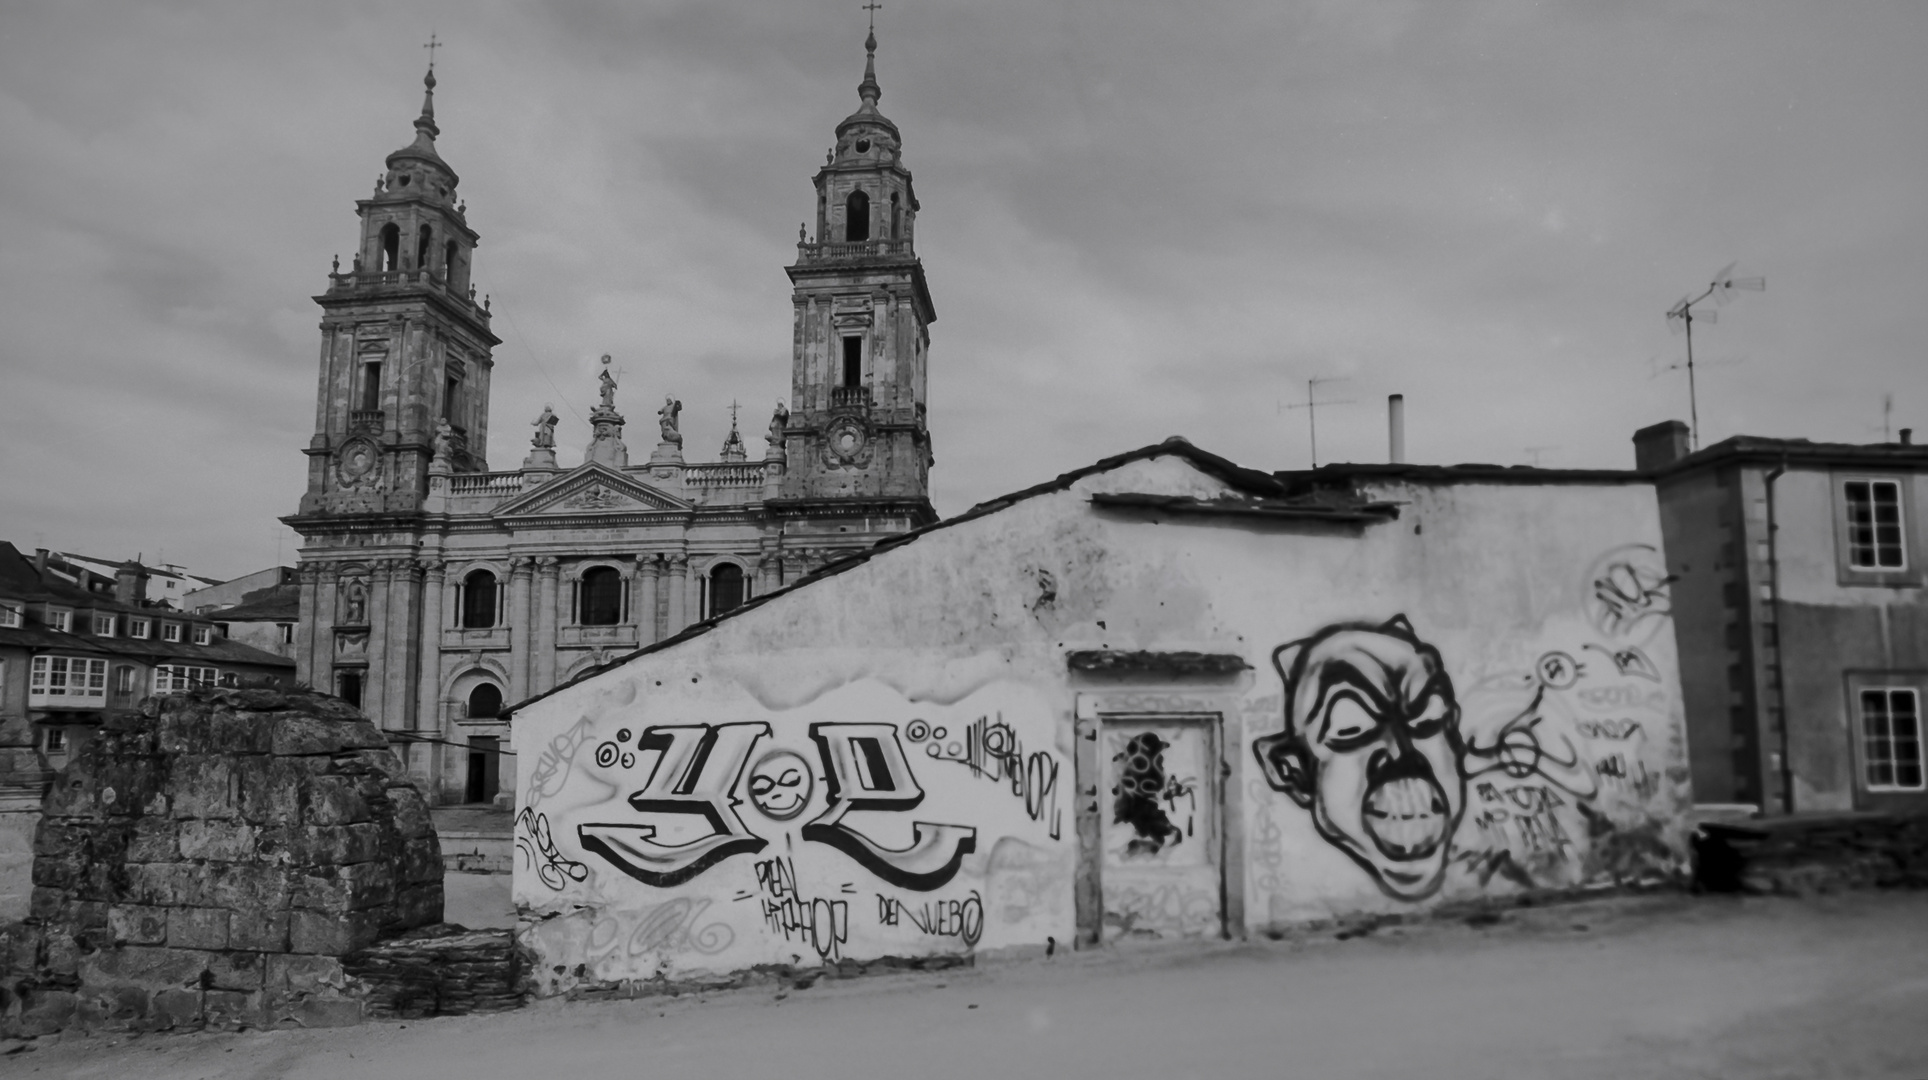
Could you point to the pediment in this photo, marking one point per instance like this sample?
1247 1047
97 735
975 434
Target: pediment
590 489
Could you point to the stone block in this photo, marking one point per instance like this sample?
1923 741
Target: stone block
144 966
60 872
61 955
176 1009
202 787
72 796
331 935
271 788
416 905
421 861
235 971
197 928
234 1009
185 731
137 925
412 818
260 931
298 735
251 887
45 903
220 841
154 839
170 885
117 1006
302 974
57 838
336 800
336 845
243 732
43 1012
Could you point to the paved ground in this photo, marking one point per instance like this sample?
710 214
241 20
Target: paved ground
1625 989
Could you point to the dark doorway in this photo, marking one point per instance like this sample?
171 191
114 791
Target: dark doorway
485 768
853 361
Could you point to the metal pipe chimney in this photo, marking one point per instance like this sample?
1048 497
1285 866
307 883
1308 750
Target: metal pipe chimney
1396 428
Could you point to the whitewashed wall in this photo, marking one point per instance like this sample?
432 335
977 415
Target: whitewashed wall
676 815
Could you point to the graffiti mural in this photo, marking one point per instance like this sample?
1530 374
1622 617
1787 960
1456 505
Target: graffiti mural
664 845
1372 747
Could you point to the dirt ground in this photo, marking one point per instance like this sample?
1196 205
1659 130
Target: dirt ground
1626 988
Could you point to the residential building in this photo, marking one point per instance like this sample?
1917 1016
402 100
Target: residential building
433 589
168 585
75 647
227 594
1161 697
1800 609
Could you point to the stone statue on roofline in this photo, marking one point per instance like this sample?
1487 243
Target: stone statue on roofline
545 425
667 416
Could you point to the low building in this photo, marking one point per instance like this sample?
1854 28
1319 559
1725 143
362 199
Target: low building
1159 697
264 618
227 594
1801 614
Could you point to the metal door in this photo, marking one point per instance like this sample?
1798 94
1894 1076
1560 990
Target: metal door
1163 858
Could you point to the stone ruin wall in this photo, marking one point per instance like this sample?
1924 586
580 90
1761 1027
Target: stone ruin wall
213 860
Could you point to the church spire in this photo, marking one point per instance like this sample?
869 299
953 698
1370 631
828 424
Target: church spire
868 90
425 123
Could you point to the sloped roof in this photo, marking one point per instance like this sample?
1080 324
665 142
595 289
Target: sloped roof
276 603
1263 486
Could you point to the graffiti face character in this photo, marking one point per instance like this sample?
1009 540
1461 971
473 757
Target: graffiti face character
1372 747
781 784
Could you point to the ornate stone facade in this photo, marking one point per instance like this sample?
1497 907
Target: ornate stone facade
433 590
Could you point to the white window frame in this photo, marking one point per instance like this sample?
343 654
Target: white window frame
67 682
171 631
1900 504
10 615
104 625
126 677
1896 745
176 678
55 739
140 629
203 635
60 619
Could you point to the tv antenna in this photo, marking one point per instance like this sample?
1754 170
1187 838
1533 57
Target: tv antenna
1311 406
1682 316
1534 452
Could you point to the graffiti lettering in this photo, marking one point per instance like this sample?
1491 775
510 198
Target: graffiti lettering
1558 670
992 749
822 924
962 919
1521 820
1519 750
697 768
867 770
1630 661
667 927
551 769
1604 698
1615 730
535 844
1633 777
1627 589
1140 910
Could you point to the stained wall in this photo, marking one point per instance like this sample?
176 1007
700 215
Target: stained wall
1478 697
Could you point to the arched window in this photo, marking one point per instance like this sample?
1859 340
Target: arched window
485 701
391 246
423 237
600 597
896 217
478 600
857 217
726 588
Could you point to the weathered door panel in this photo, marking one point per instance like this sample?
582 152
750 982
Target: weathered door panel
1161 841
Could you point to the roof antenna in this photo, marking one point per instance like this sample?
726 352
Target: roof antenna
1311 406
1682 317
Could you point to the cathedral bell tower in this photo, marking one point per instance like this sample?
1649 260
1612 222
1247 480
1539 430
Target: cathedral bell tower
856 434
404 345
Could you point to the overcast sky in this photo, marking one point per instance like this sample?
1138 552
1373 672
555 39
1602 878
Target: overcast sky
1138 220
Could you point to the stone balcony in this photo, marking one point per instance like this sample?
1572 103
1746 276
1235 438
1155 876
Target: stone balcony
854 251
398 281
596 635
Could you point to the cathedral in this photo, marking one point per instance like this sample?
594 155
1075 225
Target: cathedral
434 589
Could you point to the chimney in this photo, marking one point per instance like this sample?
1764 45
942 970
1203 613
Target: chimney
1907 436
130 583
1396 428
1659 446
40 562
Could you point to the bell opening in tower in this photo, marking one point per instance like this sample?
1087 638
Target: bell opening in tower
391 247
857 217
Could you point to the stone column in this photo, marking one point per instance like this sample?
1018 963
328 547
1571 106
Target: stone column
676 568
305 625
376 680
404 648
422 758
522 630
649 573
321 663
545 643
767 573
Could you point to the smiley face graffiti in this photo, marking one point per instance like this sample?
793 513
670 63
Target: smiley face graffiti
781 785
